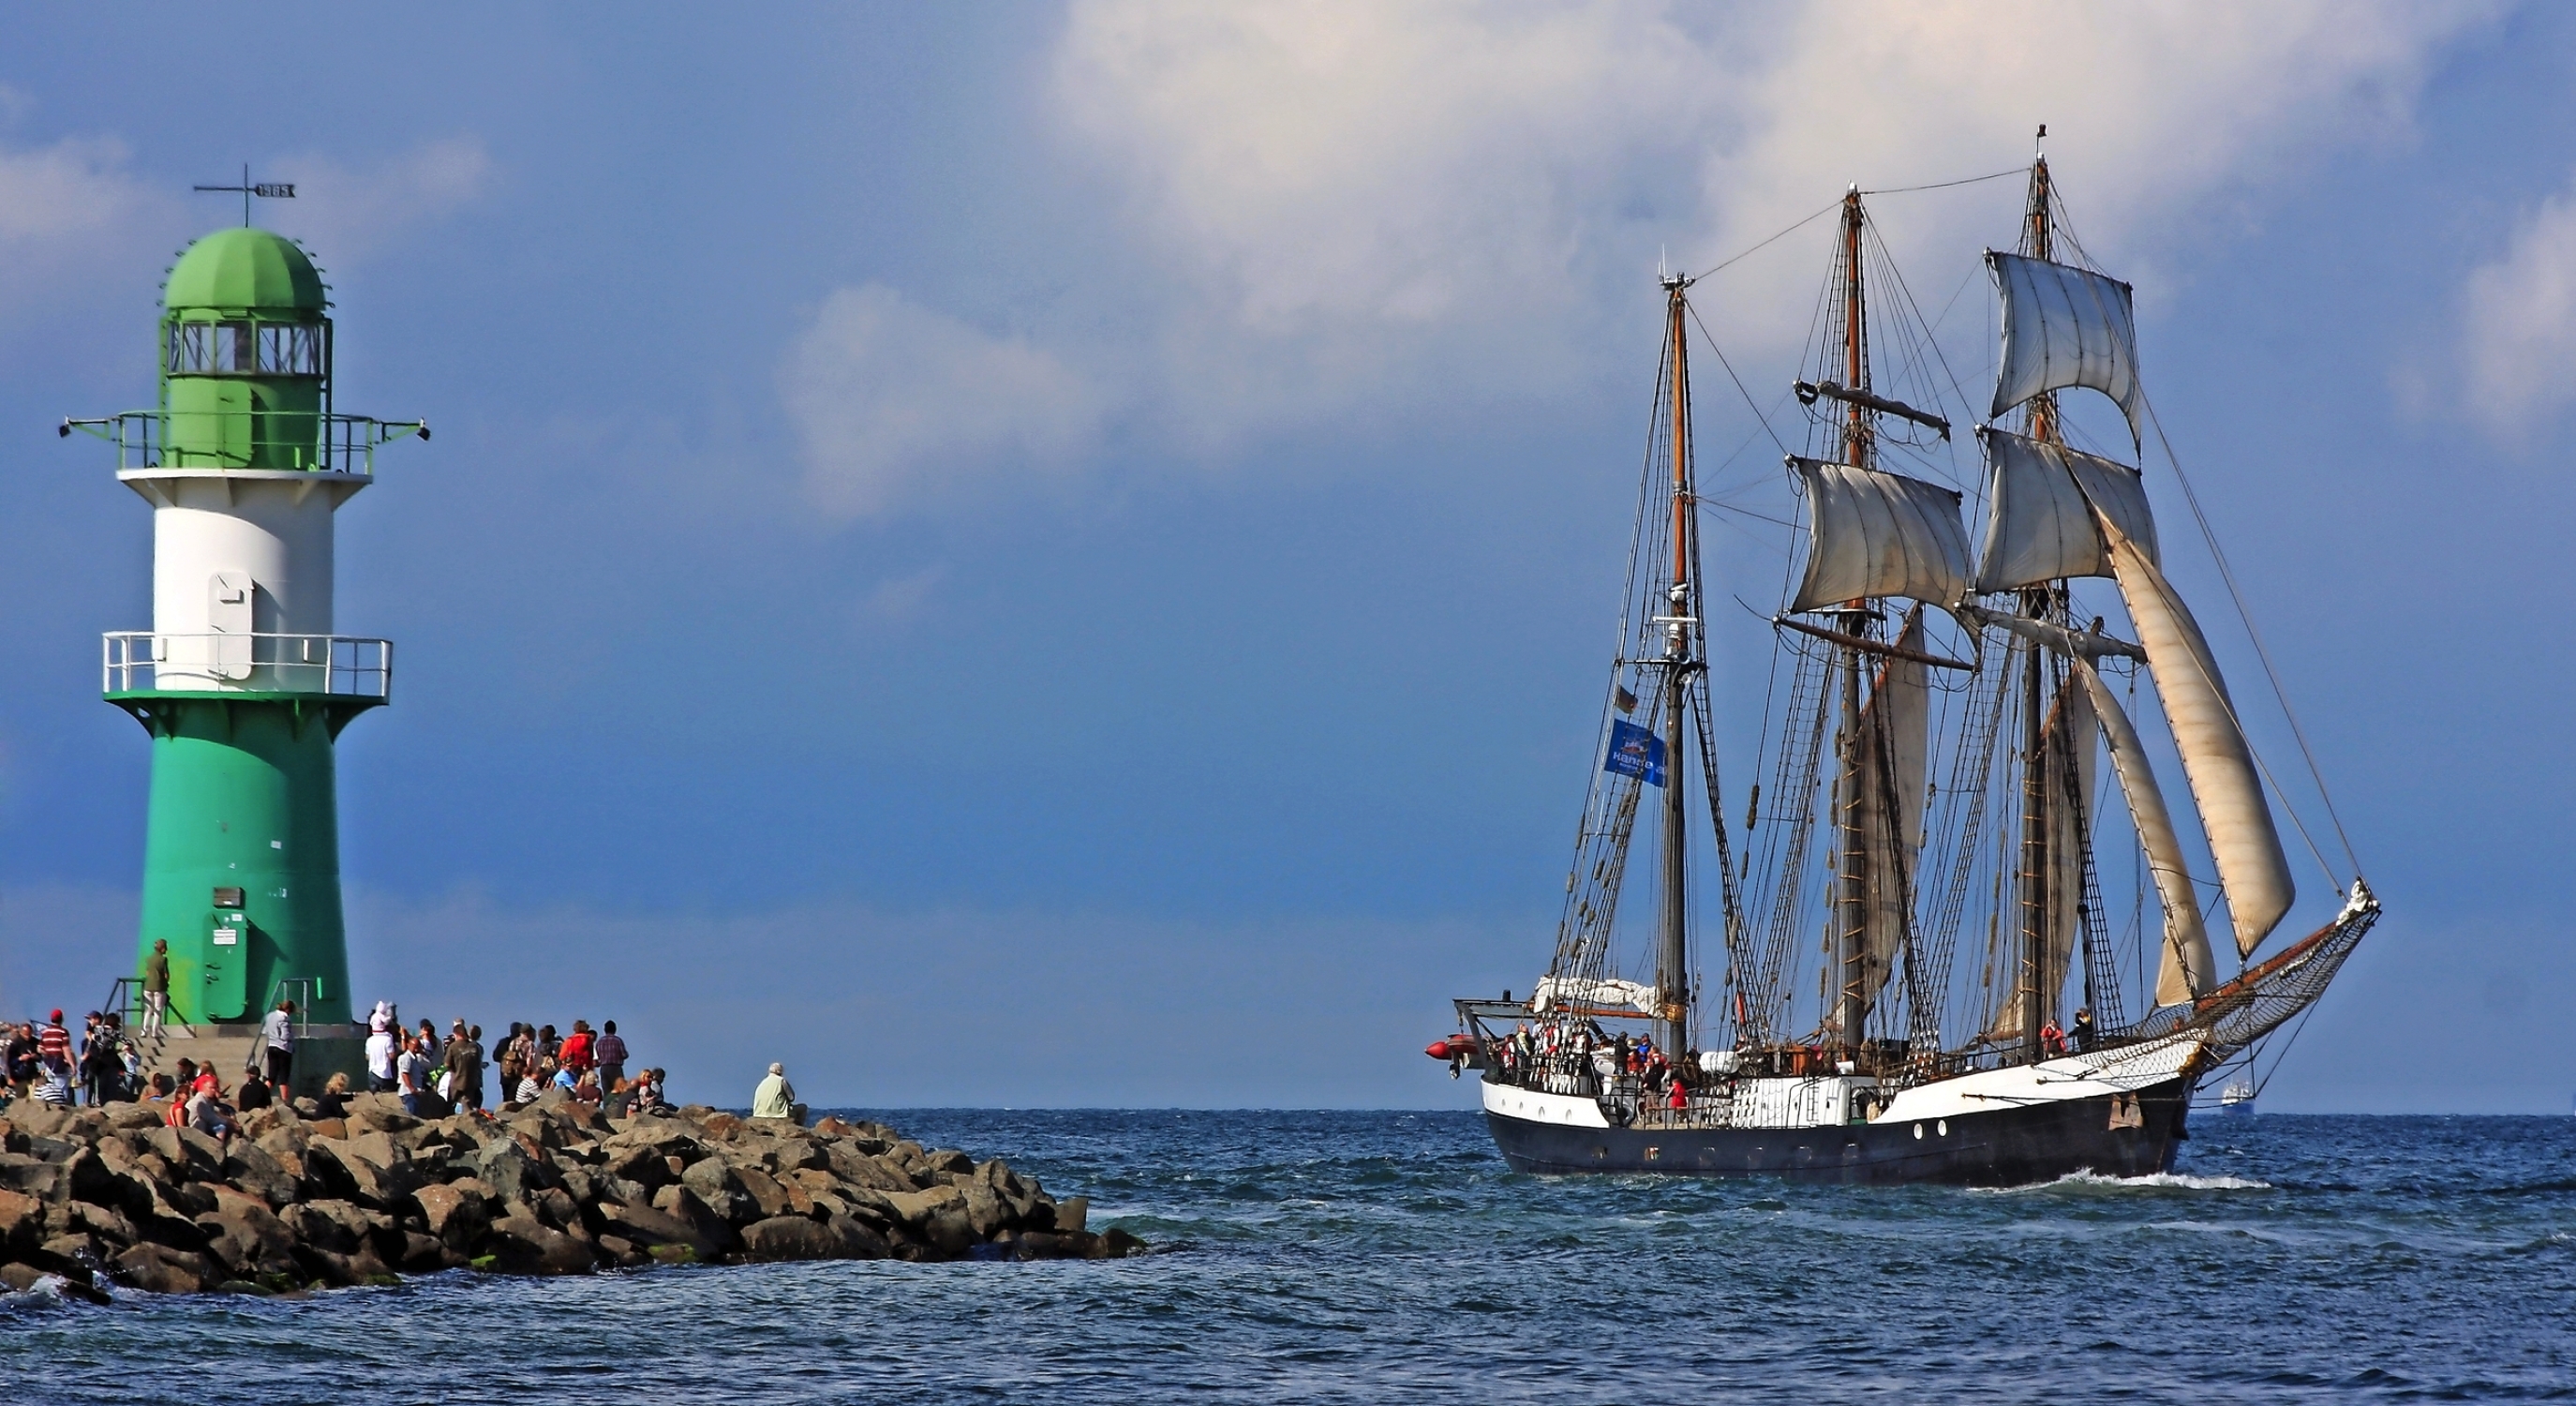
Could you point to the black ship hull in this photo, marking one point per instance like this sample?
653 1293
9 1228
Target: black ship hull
2014 1146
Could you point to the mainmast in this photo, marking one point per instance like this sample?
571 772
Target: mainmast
1672 954
1852 901
2036 600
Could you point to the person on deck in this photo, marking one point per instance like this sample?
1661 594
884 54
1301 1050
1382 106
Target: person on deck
775 1098
2052 1039
2084 1033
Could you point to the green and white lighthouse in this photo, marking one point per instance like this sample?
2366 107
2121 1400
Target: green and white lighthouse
243 681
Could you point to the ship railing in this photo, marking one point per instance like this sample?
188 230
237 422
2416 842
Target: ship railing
308 441
224 662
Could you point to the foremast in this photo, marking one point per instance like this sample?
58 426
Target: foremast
1852 850
2037 604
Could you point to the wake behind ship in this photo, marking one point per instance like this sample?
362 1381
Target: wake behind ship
1929 952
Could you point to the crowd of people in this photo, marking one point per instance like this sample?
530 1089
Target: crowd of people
519 1068
1582 1048
45 1063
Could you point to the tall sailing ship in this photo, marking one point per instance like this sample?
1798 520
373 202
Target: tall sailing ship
1905 963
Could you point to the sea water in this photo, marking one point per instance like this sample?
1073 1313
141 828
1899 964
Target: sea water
1370 1257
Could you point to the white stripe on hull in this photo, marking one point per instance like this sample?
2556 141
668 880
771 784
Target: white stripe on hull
1799 1102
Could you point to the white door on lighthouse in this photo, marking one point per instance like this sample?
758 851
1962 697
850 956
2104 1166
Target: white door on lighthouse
230 613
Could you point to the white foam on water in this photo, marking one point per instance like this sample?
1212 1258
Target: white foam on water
2154 1181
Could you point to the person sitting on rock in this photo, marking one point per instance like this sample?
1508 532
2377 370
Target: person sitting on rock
207 1111
775 1098
254 1092
644 1094
334 1099
532 1082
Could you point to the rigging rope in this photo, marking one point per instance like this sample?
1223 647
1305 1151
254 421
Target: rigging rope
1730 375
1945 185
1758 248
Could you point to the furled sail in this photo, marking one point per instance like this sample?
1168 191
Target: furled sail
2215 758
2065 326
2039 516
2068 768
1879 534
1596 993
2186 970
1893 759
2083 644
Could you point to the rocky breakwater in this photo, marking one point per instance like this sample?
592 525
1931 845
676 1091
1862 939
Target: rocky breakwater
297 1202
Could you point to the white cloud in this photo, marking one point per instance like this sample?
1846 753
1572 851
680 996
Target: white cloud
1359 198
69 211
346 213
898 405
2518 333
1353 210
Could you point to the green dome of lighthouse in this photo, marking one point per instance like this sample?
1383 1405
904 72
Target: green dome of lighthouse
242 270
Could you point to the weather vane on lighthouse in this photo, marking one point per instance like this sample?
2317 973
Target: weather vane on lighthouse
265 190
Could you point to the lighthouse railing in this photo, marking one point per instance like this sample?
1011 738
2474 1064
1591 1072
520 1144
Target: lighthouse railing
305 441
140 661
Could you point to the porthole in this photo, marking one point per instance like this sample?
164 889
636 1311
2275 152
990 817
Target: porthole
1918 1130
1945 1127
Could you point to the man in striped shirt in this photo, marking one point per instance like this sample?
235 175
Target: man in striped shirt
54 1062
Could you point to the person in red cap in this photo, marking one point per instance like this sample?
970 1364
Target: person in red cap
54 1059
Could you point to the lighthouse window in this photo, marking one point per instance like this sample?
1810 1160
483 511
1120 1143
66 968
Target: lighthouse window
201 347
294 349
270 349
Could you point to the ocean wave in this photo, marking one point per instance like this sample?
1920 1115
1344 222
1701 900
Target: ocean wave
2154 1181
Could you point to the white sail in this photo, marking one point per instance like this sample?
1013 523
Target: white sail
2252 870
2065 326
2039 515
2186 970
1894 758
1879 534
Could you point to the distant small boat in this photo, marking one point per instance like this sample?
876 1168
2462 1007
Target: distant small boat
2237 1098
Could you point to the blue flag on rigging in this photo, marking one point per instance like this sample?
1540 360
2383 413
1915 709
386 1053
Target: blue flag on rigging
1636 752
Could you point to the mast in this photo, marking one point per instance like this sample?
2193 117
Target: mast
1852 902
1672 955
2034 786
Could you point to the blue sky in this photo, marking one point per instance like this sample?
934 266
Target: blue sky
1033 555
